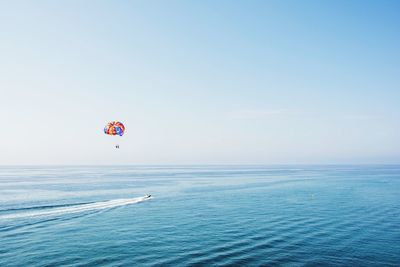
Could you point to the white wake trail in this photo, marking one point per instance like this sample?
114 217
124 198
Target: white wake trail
76 209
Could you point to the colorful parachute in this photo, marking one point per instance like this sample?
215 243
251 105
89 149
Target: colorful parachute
114 128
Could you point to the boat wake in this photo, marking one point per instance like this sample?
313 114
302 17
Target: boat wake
85 207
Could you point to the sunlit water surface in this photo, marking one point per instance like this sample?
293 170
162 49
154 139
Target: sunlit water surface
200 216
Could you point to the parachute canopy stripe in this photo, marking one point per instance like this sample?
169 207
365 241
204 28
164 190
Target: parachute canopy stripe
114 128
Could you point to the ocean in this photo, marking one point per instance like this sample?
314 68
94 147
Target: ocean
200 215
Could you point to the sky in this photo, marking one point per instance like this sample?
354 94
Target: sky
200 82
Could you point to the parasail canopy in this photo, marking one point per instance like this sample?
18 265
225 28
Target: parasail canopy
114 128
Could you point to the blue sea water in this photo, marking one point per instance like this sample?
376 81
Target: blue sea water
200 216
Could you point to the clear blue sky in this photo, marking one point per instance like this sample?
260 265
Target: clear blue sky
200 82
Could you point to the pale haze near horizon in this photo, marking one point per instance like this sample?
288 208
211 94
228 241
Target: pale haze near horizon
200 82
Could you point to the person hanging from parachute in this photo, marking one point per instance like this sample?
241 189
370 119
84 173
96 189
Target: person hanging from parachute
115 128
